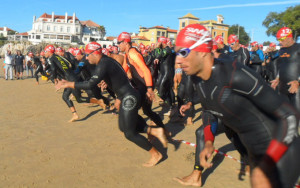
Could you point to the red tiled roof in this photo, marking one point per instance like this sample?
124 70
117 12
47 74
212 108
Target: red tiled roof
172 30
23 34
158 27
45 15
111 38
7 29
89 23
139 38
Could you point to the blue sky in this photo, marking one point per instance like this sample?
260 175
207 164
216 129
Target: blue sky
118 16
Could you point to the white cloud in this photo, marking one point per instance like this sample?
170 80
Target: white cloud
240 5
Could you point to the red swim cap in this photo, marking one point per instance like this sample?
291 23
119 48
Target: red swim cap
42 53
215 46
49 48
105 51
254 44
261 46
272 44
284 32
93 47
59 49
162 39
219 39
142 46
232 39
192 34
124 36
76 51
30 54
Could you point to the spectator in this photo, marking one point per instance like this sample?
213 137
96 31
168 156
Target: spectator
8 65
20 62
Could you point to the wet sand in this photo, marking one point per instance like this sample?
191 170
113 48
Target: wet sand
39 148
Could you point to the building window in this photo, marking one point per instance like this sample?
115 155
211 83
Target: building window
223 35
85 39
152 33
77 29
39 27
158 33
46 36
162 33
52 36
214 34
38 36
67 38
68 29
48 27
61 29
183 24
54 28
60 37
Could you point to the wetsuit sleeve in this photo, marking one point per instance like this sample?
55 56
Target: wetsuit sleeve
95 79
261 55
52 68
247 83
210 123
246 57
189 89
140 64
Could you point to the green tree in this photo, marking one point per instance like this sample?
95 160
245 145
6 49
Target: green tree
266 43
102 30
289 18
239 30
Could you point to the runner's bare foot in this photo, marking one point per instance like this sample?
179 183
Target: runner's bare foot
74 118
155 158
194 179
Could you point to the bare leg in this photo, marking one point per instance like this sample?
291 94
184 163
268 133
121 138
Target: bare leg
189 121
75 115
194 179
100 102
155 158
158 132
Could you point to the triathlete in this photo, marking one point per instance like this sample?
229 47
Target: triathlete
141 76
256 58
222 48
271 66
265 123
289 67
239 53
39 67
61 69
166 59
130 122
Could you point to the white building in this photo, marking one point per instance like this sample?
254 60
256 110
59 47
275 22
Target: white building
63 30
4 31
91 31
55 29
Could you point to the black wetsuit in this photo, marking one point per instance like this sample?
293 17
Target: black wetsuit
289 69
130 122
241 55
257 58
165 79
246 104
139 82
271 67
224 50
61 69
39 68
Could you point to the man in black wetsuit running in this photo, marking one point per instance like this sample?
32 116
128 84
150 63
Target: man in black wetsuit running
130 122
288 63
240 54
265 123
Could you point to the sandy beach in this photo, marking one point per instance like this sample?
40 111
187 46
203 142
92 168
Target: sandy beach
39 148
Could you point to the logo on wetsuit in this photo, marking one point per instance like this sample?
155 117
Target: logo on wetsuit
129 102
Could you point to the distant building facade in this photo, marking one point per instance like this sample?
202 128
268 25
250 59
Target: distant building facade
216 27
59 29
4 31
151 34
